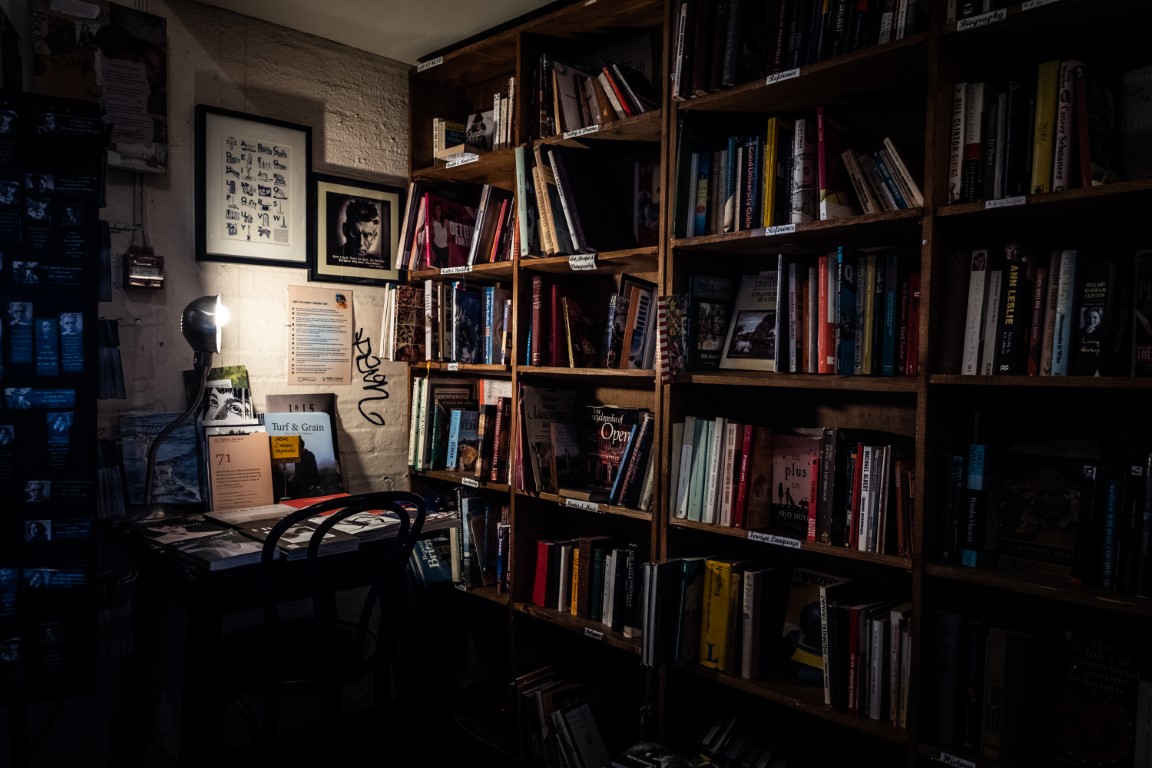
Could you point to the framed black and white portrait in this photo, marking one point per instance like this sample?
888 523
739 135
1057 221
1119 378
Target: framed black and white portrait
357 231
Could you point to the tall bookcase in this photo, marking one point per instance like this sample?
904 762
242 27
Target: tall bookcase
902 89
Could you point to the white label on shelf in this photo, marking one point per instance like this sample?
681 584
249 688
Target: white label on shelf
456 270
471 482
780 229
595 634
787 74
430 63
771 538
463 159
582 262
588 506
1029 5
581 131
957 762
1006 202
983 20
453 366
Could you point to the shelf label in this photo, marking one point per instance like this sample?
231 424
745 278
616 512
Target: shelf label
956 762
581 131
471 482
463 159
1029 5
595 634
983 20
430 63
587 506
1005 202
582 262
780 229
454 366
787 74
771 538
456 270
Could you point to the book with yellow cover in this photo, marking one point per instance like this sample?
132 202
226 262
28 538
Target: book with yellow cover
717 639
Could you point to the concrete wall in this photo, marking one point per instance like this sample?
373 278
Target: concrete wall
356 104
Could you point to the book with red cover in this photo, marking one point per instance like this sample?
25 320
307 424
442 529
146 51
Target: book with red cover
448 231
542 583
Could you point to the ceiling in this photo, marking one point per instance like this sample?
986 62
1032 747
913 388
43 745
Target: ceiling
403 30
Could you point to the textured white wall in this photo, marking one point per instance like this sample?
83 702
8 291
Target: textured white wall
356 104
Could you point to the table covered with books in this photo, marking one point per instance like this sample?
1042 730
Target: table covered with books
206 566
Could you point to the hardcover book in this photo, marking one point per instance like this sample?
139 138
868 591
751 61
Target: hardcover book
309 465
801 652
606 432
1040 503
751 343
711 298
794 452
448 231
408 334
539 407
582 332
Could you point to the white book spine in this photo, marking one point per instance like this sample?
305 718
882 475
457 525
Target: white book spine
900 171
1051 291
877 680
1065 298
956 140
685 471
974 321
895 619
865 498
726 485
712 483
991 317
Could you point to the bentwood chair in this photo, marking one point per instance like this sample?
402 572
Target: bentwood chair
314 652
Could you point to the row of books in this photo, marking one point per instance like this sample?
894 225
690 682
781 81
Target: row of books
1009 692
1051 506
594 577
555 721
722 43
484 130
583 94
833 485
1060 124
457 225
580 200
802 168
580 89
753 619
844 312
461 425
581 328
1048 312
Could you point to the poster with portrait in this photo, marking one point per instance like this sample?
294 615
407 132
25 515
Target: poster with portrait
357 231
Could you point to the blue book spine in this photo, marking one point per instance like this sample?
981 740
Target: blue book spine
618 480
891 309
889 181
453 439
489 324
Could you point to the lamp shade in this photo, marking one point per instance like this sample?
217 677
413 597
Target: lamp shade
201 323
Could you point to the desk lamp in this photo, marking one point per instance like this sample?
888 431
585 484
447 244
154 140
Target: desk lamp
201 325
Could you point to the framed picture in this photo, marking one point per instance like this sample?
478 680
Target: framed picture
251 188
357 231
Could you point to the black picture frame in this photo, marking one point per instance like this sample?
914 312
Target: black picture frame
252 177
336 257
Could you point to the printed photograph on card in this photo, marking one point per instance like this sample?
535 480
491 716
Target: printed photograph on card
357 231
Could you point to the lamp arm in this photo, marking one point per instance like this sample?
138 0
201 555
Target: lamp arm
202 365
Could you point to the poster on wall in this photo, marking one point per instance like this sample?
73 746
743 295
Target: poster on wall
101 51
319 336
251 188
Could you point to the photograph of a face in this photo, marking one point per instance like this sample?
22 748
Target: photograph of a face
356 231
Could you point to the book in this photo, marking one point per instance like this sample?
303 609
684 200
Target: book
593 198
763 598
227 548
1040 503
538 408
1142 313
805 194
1044 125
1136 121
834 196
293 542
1010 342
650 754
431 561
801 653
582 332
449 229
979 524
750 342
956 142
567 466
710 307
606 430
304 467
717 641
1100 344
794 451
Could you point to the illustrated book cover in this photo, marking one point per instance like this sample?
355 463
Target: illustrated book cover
750 343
